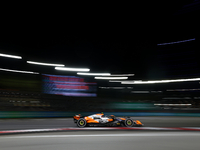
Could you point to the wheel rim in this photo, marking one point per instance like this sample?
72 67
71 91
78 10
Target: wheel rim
129 122
81 122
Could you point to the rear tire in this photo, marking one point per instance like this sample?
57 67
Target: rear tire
81 123
128 123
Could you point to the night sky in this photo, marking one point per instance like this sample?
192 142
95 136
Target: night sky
113 38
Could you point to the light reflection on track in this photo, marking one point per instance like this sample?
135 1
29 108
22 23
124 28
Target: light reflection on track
98 140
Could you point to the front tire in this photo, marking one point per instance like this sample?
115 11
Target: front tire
81 123
128 123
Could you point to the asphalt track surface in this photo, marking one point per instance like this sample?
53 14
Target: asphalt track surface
21 124
102 140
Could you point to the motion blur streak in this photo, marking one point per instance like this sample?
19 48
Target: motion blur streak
117 81
114 87
45 64
72 69
173 104
93 74
140 92
183 90
112 78
10 56
118 75
105 135
177 42
160 81
19 71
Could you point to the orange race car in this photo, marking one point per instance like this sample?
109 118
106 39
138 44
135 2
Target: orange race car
102 120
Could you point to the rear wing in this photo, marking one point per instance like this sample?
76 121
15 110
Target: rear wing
77 117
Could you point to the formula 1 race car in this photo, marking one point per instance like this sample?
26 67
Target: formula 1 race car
102 120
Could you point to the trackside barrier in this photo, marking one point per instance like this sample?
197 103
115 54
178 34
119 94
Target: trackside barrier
55 114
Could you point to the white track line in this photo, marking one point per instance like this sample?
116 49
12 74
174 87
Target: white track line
109 135
102 128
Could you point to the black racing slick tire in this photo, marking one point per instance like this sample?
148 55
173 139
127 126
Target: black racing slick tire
128 123
81 123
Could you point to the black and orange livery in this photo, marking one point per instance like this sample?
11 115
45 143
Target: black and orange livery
102 120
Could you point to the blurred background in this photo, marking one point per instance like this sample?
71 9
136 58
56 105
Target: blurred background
145 42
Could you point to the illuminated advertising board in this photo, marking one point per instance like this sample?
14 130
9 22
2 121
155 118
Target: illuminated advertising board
68 86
